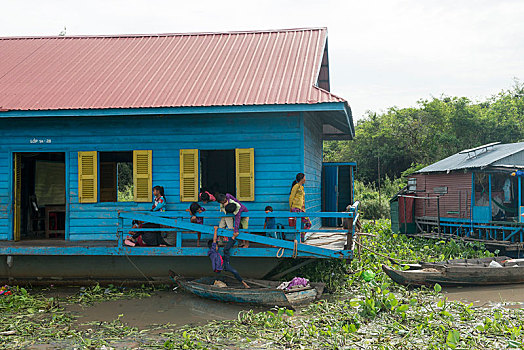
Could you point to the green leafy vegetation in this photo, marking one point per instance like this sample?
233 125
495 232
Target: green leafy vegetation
375 204
390 146
367 311
125 181
407 138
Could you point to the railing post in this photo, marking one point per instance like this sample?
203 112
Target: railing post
178 238
120 231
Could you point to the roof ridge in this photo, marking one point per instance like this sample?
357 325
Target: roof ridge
259 31
504 148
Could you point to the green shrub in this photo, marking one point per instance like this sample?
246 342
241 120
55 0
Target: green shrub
372 204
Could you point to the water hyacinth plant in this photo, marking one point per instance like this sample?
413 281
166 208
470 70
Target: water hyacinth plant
366 311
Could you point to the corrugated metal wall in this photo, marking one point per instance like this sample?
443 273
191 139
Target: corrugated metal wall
456 203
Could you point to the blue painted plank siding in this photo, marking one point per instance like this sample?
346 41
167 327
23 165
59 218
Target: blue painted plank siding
313 164
4 195
276 137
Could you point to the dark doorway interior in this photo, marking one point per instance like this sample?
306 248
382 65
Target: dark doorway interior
217 171
43 195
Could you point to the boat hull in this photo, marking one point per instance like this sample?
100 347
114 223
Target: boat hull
269 297
91 269
457 275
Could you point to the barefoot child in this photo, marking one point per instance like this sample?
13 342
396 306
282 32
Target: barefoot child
217 262
194 209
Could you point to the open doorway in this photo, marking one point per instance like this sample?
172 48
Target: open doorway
39 195
218 171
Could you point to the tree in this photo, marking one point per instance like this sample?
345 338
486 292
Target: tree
436 128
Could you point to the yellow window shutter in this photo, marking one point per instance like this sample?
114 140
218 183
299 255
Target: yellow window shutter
245 166
87 177
188 175
142 176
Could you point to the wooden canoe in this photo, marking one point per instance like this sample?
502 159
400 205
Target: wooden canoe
262 292
459 273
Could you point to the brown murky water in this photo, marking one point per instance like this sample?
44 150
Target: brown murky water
488 296
180 308
174 307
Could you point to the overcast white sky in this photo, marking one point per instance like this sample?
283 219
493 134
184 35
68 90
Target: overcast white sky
382 53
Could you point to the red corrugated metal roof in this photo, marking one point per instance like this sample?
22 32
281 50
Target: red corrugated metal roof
165 70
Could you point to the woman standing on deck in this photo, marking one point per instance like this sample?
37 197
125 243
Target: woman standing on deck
297 200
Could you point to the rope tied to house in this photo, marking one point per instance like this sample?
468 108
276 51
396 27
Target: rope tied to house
280 251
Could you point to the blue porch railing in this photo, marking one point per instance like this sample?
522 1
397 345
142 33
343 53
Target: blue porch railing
493 230
185 231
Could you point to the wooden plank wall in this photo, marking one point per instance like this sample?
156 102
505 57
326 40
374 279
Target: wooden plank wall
313 164
4 194
458 198
276 138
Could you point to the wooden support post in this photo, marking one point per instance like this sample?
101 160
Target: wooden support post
438 213
405 217
349 239
472 204
520 191
291 269
490 215
120 232
178 239
521 219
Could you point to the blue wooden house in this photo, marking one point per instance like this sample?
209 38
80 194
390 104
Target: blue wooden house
90 124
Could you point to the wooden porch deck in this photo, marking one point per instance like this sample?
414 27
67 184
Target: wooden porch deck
329 240
333 241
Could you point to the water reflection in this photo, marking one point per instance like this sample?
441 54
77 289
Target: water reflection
488 296
175 307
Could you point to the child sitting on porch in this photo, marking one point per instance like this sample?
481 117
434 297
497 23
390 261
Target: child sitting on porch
194 209
220 263
160 199
145 238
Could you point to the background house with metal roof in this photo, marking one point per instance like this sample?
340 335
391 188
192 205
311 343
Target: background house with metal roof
91 123
475 192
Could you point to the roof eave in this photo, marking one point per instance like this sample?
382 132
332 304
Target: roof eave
306 107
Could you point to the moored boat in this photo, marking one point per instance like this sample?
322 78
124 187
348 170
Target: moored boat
262 292
463 272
